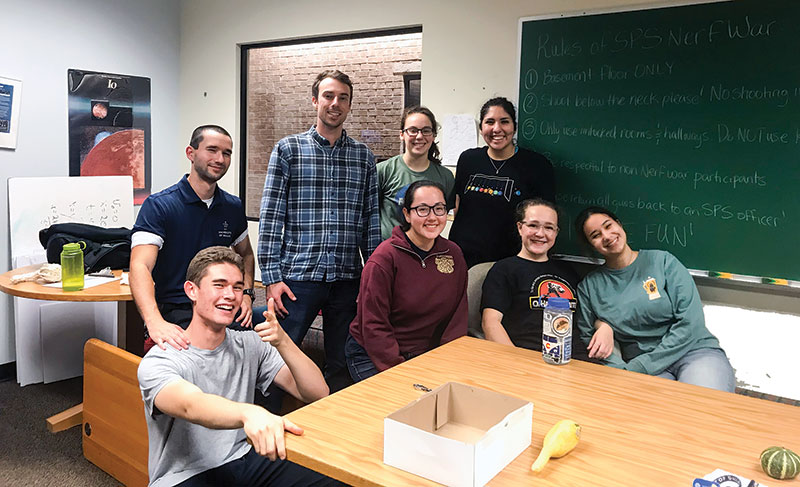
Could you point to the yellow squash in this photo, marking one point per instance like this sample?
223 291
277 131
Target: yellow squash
559 441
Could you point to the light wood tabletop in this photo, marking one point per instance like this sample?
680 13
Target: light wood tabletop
110 291
636 429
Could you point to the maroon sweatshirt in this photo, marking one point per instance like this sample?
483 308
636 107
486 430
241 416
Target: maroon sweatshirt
403 299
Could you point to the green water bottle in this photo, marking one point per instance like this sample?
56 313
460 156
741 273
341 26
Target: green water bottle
72 266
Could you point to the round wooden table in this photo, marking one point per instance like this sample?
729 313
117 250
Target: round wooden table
110 291
130 328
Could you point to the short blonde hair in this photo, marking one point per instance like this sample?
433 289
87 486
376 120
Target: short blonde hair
210 256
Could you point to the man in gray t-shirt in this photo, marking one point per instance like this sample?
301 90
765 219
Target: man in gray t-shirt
198 402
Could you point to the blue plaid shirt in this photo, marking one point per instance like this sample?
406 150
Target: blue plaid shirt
320 205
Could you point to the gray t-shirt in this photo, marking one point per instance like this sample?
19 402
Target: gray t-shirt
180 449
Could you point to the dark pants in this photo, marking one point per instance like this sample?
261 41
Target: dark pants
337 301
358 362
254 470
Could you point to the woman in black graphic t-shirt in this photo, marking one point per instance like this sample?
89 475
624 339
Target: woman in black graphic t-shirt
516 288
491 181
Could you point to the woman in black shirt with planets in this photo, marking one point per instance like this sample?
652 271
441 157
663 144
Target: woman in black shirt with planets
491 181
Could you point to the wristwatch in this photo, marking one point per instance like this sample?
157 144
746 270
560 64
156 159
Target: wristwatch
250 292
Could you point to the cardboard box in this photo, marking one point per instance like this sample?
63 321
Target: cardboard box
458 435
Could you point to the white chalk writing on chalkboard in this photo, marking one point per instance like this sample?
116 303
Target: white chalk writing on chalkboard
679 119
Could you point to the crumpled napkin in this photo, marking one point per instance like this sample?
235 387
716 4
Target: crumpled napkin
46 273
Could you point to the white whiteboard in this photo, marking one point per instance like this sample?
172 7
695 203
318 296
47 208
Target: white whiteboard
37 203
49 337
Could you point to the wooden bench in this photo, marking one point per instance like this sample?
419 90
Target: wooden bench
114 427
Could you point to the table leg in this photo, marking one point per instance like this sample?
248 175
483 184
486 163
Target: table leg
65 419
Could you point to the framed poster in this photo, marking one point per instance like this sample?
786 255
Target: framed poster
10 96
109 127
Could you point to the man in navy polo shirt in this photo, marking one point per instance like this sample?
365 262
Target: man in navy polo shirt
176 223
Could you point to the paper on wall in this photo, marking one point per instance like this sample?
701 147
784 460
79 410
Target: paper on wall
459 133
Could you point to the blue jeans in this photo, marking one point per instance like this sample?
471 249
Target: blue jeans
258 315
707 367
358 362
337 301
253 469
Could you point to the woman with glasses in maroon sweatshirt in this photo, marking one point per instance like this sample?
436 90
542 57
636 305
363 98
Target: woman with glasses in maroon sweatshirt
413 294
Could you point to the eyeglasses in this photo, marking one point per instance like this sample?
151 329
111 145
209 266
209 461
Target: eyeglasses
414 131
439 209
547 228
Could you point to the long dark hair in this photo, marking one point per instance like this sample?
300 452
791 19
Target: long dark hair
408 199
433 152
503 103
584 215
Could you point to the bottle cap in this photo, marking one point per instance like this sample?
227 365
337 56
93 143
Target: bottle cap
558 303
75 246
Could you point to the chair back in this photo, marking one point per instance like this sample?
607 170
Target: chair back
476 275
114 426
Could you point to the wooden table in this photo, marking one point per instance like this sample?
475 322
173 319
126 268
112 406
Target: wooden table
637 429
130 328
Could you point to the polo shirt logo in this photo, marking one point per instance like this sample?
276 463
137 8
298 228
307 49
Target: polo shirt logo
224 233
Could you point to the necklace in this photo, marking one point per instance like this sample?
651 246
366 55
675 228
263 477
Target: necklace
497 169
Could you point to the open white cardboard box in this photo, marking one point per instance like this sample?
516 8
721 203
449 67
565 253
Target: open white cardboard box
458 435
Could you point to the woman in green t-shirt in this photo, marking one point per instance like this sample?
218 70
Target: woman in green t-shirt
419 160
646 301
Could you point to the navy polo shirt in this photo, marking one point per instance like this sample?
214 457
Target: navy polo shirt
187 226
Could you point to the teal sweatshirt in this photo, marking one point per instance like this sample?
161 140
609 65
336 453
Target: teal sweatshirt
653 307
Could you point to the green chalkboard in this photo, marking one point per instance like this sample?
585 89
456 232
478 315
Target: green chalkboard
683 120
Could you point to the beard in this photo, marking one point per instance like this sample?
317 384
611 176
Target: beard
207 176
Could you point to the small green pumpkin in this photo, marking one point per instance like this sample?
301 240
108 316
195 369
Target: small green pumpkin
780 463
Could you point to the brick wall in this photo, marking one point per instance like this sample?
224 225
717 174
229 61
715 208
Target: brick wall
279 95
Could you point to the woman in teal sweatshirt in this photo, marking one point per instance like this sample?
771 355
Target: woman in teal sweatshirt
646 301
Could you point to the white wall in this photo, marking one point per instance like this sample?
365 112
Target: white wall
44 38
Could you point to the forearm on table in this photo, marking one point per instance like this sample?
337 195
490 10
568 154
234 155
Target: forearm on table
188 402
493 327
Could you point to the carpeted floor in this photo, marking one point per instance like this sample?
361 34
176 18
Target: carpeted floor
32 456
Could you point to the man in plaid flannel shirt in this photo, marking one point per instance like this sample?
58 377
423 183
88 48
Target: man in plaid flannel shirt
319 208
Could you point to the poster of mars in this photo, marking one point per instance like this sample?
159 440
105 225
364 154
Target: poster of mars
109 127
